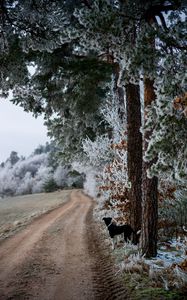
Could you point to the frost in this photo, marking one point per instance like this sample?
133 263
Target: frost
28 175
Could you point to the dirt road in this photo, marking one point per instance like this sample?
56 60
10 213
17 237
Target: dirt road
59 256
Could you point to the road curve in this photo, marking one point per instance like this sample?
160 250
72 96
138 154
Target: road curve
58 256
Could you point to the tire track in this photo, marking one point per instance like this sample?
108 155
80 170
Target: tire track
107 285
63 259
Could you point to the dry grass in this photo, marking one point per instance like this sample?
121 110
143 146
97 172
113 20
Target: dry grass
158 278
16 212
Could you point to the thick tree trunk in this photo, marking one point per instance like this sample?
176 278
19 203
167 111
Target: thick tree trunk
149 191
134 154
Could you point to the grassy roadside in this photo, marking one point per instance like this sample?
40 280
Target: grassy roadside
145 279
140 287
138 282
17 212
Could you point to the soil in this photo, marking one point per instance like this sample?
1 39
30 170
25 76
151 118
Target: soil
61 256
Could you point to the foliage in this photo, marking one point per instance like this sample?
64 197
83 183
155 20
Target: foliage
108 157
168 56
172 211
169 121
61 87
62 79
67 43
25 176
50 185
35 173
13 159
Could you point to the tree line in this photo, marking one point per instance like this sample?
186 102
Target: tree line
39 172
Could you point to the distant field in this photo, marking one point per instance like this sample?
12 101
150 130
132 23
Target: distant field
16 212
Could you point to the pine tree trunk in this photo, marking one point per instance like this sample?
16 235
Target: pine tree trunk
134 154
149 191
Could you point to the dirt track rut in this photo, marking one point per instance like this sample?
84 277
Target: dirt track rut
59 256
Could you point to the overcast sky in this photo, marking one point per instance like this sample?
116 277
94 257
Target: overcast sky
19 130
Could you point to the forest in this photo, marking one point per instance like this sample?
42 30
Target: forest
37 173
110 78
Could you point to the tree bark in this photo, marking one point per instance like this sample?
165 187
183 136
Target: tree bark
134 154
149 190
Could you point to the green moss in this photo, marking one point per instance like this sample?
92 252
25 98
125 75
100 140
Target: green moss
140 287
157 293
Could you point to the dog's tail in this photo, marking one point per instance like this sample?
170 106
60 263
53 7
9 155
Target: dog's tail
138 232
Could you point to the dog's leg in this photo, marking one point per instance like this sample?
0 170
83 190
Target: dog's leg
119 238
114 242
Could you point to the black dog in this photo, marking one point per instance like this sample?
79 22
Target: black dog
118 229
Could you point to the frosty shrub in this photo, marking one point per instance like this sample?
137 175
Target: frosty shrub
172 210
107 156
50 186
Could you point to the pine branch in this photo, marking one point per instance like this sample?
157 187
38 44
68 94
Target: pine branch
87 3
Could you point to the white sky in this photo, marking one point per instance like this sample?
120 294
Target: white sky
19 130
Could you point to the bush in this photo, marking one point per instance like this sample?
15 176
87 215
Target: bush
50 186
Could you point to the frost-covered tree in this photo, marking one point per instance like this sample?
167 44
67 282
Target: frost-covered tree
29 175
33 99
107 156
13 158
60 87
121 30
24 175
131 46
167 47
